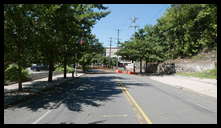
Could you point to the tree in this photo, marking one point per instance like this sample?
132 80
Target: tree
188 28
75 20
89 50
139 45
128 51
60 28
18 37
183 31
47 33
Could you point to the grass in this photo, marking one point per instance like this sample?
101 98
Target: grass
210 74
205 56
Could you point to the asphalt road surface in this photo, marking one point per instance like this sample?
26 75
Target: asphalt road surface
110 98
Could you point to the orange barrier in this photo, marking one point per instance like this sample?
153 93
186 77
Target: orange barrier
126 72
131 72
118 71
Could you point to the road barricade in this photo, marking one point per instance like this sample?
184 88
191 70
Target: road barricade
118 71
125 72
129 72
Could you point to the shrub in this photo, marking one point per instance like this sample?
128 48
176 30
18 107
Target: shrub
11 74
61 69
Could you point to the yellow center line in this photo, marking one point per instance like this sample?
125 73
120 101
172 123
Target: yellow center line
139 109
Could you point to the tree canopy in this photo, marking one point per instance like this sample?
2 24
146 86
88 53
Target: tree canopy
183 31
49 34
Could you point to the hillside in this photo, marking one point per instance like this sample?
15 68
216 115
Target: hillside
203 65
201 62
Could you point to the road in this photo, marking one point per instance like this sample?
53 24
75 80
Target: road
110 98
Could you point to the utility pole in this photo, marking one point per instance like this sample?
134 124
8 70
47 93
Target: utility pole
110 52
133 20
118 42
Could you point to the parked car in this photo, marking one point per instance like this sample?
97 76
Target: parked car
38 67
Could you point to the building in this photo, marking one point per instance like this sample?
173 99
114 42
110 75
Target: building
113 51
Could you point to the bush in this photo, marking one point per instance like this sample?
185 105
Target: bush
11 74
61 69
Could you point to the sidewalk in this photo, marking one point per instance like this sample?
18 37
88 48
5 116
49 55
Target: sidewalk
27 84
203 86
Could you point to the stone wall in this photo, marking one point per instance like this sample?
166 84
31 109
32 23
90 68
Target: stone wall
194 67
166 68
171 67
158 68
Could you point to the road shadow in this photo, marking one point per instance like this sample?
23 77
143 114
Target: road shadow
86 90
128 85
97 122
13 97
38 84
91 89
94 122
100 71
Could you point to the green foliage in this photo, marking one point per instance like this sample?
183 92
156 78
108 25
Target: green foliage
183 31
113 61
128 51
49 33
11 74
188 28
210 74
61 69
90 52
103 60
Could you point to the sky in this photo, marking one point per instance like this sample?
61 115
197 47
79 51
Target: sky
120 18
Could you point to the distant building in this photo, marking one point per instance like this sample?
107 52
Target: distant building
113 51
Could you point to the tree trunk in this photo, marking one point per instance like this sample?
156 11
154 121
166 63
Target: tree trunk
133 66
74 70
146 67
140 65
19 66
84 68
65 67
50 72
19 78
